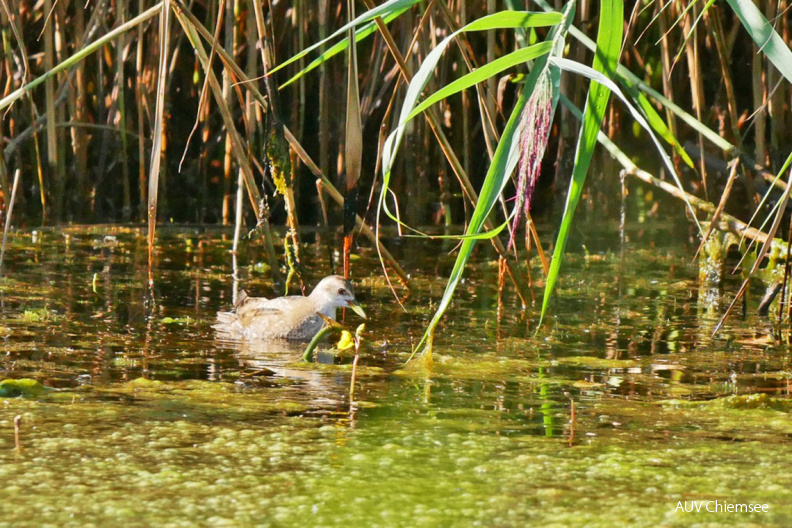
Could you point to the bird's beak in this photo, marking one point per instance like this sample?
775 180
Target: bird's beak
356 308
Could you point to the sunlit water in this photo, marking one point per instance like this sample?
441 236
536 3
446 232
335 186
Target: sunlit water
619 409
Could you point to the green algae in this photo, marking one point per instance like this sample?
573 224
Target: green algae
595 362
426 472
445 365
14 388
739 402
157 424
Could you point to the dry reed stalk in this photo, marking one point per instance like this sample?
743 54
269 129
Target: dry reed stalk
295 145
103 111
357 340
572 419
715 220
243 160
353 377
715 28
120 87
79 114
784 303
492 81
696 83
301 27
353 143
3 177
228 99
8 218
202 116
324 86
250 111
17 432
141 107
778 104
49 102
238 210
663 16
58 23
39 164
159 132
277 152
466 132
759 96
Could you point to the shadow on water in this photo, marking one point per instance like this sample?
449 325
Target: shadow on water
623 406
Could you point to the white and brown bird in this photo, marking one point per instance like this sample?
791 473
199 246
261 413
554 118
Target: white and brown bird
293 317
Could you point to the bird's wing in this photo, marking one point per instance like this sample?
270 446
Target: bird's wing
270 316
251 313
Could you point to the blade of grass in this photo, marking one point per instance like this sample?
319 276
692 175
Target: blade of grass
445 146
503 163
598 77
80 55
383 10
339 47
609 41
762 32
502 20
629 78
491 69
156 150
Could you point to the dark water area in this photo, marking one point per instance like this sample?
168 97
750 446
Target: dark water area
619 410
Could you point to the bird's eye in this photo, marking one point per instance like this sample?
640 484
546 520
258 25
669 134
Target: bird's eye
342 291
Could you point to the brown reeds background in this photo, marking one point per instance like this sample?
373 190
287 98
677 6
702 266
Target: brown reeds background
83 139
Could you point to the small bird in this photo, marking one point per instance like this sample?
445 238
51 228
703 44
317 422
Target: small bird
293 317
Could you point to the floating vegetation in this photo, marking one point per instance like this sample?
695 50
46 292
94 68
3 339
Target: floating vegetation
745 402
38 315
236 433
176 320
14 388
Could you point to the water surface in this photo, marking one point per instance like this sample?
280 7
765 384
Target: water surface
617 411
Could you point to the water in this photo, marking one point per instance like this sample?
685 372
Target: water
147 419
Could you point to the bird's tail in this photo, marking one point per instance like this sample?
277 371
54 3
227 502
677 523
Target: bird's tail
226 318
228 325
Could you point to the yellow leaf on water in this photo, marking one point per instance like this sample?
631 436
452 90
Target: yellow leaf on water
582 384
346 341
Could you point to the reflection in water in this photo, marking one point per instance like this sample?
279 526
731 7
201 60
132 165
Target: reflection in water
244 433
99 319
284 359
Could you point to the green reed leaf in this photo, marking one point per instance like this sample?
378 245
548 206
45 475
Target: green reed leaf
762 32
384 10
609 40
